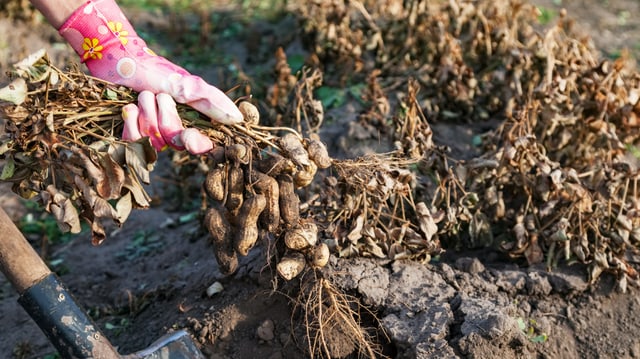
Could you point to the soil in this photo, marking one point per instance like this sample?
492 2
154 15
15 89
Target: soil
151 276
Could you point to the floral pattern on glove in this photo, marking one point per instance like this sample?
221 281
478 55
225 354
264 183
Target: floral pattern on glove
109 46
91 49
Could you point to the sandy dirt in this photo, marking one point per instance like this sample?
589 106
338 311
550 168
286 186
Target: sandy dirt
150 277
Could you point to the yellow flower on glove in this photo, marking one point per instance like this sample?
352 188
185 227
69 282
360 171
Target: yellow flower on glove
116 29
92 49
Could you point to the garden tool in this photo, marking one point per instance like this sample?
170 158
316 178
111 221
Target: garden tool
52 307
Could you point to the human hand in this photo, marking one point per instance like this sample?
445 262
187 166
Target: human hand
109 46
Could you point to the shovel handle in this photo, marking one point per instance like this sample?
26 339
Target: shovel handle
19 262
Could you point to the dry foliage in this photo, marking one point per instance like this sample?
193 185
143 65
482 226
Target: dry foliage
557 179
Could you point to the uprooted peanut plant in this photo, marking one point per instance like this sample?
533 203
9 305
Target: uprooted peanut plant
556 181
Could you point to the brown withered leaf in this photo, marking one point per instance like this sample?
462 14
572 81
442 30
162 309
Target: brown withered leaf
59 204
98 234
140 196
123 208
96 204
427 224
140 158
356 231
113 177
533 253
106 175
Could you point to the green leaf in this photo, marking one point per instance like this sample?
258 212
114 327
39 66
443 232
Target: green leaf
521 324
109 94
540 338
9 169
546 15
635 151
295 62
189 217
331 96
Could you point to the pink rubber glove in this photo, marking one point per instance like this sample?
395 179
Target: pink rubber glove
109 46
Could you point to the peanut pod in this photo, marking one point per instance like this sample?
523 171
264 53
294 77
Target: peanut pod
214 183
217 155
289 201
274 164
235 189
268 187
318 153
247 228
291 265
294 149
302 236
304 177
319 255
249 112
220 231
238 153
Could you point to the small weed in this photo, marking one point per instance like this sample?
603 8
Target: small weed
529 329
335 97
118 327
623 17
546 15
57 265
143 243
633 150
40 223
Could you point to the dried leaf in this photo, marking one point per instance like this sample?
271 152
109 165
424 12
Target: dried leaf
123 208
99 206
140 196
356 231
15 92
427 224
59 204
113 177
140 157
98 234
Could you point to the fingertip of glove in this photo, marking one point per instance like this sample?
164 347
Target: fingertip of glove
231 116
195 141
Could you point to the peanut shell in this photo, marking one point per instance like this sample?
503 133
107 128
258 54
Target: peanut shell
320 255
305 176
238 153
302 236
220 231
268 186
235 189
288 200
249 112
294 149
318 153
291 265
214 183
247 229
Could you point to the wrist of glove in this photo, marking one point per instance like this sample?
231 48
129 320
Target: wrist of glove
107 43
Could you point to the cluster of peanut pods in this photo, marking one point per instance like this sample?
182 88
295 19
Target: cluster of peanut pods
252 195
